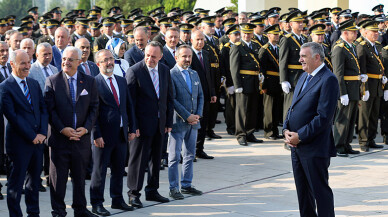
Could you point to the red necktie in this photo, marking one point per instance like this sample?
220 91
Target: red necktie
114 91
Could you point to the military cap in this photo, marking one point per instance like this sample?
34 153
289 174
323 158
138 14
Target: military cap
247 27
129 33
126 22
293 9
225 13
379 18
263 12
348 25
176 19
318 29
158 15
50 23
92 18
23 30
27 19
159 10
11 17
56 10
273 12
186 27
94 12
361 23
108 21
28 24
197 10
136 10
321 17
166 21
295 16
355 15
113 9
134 13
95 7
204 12
345 13
378 8
82 21
258 21
68 22
363 16
175 9
151 12
208 20
233 29
33 10
305 23
219 11
154 29
118 17
193 20
43 18
3 22
229 22
145 23
70 13
254 16
95 25
187 13
274 29
335 10
324 10
372 25
283 17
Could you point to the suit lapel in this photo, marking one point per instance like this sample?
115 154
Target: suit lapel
146 73
80 85
311 84
66 87
34 98
178 74
20 92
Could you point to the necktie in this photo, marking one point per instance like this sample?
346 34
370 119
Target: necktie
26 92
188 80
276 50
86 68
5 71
72 94
306 82
200 59
114 92
173 53
46 72
374 47
155 81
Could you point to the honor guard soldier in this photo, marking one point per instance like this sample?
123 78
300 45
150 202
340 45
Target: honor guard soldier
227 24
185 33
245 71
285 27
347 70
3 28
68 23
107 25
290 68
317 34
370 60
384 107
51 26
342 16
378 9
234 36
272 99
34 12
258 35
164 23
81 27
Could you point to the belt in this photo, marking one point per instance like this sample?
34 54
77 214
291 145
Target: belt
249 72
374 76
273 73
215 65
295 66
352 78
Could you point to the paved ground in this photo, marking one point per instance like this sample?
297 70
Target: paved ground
257 181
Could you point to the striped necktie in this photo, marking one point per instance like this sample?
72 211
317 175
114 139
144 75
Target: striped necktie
26 92
155 81
72 94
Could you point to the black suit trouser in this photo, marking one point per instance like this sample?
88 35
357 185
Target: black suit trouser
75 159
368 120
312 186
271 114
213 112
144 151
203 122
230 116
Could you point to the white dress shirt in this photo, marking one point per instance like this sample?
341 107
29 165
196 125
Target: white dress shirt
42 68
6 70
19 81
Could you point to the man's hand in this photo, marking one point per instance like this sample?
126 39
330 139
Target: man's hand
213 99
384 80
239 90
192 118
81 131
99 143
69 132
366 96
291 138
385 95
39 139
167 129
286 86
345 100
137 133
131 136
231 90
364 78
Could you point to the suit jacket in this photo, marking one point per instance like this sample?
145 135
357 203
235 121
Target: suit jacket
110 115
167 58
147 105
57 58
204 74
186 102
2 78
37 74
311 114
94 70
160 38
60 108
133 55
24 121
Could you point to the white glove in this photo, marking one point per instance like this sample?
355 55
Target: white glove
384 80
261 78
239 90
345 100
286 86
385 95
366 96
231 90
364 78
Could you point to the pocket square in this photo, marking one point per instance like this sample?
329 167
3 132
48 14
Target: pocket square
84 92
196 83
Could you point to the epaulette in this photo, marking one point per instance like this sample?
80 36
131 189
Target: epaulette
227 45
221 46
385 48
265 46
304 35
255 41
325 45
288 35
359 39
363 43
377 42
237 43
340 45
215 37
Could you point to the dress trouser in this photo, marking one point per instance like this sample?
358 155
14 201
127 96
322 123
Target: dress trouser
368 120
345 120
246 114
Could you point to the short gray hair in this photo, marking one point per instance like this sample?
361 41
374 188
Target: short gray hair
10 32
62 29
4 43
13 54
183 46
97 55
28 40
44 44
140 28
315 49
73 49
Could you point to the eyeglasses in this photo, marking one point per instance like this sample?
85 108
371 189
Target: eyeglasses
68 59
107 60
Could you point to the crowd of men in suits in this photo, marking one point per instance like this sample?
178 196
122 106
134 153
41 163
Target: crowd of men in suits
73 115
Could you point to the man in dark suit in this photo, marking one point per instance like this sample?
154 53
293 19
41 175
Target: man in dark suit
88 67
136 53
201 64
62 38
172 39
72 103
114 127
23 105
149 84
308 130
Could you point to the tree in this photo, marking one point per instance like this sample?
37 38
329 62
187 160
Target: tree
15 7
84 4
235 7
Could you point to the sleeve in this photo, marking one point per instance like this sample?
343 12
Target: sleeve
234 59
338 61
93 106
284 52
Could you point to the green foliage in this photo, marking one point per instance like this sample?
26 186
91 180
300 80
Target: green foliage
15 7
84 4
235 7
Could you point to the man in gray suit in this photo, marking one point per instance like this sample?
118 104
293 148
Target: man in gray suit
188 104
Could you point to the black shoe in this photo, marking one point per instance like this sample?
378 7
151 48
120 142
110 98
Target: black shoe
218 121
88 176
181 159
122 206
364 148
230 132
161 167
156 197
287 147
125 173
351 151
1 196
191 190
252 138
342 154
195 159
203 155
85 213
385 141
176 195
374 145
135 202
242 141
212 135
42 188
165 162
100 210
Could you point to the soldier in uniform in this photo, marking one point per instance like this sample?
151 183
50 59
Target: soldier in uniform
258 35
343 16
3 28
34 12
285 27
347 70
51 26
68 23
233 33
317 33
185 33
81 27
245 72
100 42
227 24
384 107
164 24
370 60
269 59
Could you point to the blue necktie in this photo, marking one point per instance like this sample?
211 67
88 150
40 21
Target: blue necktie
72 94
26 92
306 82
188 80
